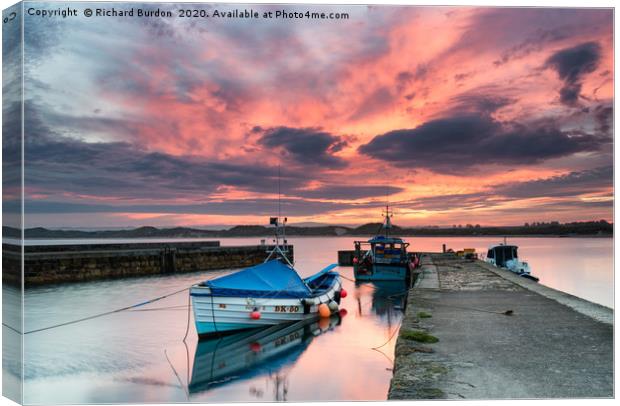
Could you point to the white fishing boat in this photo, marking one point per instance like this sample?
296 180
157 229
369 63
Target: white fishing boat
505 256
267 294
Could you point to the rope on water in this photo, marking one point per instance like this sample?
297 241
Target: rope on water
347 278
185 388
127 308
391 337
107 313
179 307
189 305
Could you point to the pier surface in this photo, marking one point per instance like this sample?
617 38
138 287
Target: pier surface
549 345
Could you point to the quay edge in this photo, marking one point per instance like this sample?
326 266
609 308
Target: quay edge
499 336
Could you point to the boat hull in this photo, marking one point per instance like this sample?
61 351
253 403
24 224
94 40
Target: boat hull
379 272
218 315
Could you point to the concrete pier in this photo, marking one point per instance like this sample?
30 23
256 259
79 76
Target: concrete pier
46 264
472 331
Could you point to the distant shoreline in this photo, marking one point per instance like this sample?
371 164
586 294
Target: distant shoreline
591 229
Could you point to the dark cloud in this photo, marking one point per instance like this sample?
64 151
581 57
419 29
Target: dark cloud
455 144
603 114
57 164
571 184
348 192
306 146
260 207
463 201
535 42
480 101
374 103
572 64
123 171
563 189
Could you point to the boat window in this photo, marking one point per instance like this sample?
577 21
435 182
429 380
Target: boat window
491 254
509 252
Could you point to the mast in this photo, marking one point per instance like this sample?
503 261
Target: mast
279 232
387 224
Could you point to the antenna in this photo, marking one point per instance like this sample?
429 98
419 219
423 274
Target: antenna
279 203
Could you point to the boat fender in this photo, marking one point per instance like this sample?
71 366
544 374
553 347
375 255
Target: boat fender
355 260
255 347
255 315
333 306
324 310
343 293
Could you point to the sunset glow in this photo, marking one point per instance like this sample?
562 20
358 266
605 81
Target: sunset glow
495 116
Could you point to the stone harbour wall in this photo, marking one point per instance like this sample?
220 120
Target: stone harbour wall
76 263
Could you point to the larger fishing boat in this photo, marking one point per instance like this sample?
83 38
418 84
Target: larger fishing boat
267 294
383 258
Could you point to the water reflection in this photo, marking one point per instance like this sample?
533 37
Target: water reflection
250 354
127 357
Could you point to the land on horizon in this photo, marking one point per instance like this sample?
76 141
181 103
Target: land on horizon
553 228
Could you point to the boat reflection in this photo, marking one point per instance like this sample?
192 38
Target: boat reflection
388 297
254 352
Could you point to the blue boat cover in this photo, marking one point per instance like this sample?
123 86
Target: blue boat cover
272 279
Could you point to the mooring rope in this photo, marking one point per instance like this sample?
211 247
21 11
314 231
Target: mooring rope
107 313
127 308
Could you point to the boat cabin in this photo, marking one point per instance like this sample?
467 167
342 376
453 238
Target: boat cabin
502 253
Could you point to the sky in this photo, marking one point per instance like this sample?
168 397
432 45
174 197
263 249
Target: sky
455 115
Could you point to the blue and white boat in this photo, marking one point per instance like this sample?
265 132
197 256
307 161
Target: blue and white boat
382 258
263 295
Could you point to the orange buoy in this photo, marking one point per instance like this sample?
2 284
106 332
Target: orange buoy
255 315
324 310
343 293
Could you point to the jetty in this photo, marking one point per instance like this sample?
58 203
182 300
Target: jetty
474 331
62 263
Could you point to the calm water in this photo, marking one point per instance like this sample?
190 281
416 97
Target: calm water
139 356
